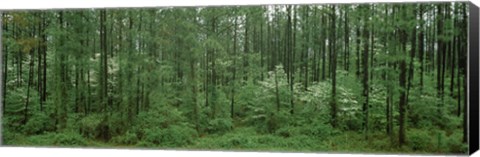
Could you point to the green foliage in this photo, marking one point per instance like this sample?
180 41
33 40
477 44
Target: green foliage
69 139
153 136
420 140
43 139
318 130
174 136
315 129
157 117
90 124
243 78
128 138
220 125
14 106
247 104
288 131
145 144
117 124
38 124
455 144
10 137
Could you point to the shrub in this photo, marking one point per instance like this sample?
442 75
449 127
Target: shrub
157 117
69 139
10 137
177 136
152 136
128 138
381 144
455 144
144 144
89 125
419 140
42 140
220 125
315 129
117 124
319 130
174 136
266 139
238 141
288 131
37 124
352 123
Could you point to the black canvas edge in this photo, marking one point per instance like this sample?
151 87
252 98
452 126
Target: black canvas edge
473 70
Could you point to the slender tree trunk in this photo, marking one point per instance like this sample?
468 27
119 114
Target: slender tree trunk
5 63
402 81
412 59
39 60
305 49
137 110
262 51
372 45
421 47
246 48
194 94
333 62
440 57
234 70
316 54
103 57
347 40
277 94
358 51
30 81
292 59
365 79
388 111
453 52
324 47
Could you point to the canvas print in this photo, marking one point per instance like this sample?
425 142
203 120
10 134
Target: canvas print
348 78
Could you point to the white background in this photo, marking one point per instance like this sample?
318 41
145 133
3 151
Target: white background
57 4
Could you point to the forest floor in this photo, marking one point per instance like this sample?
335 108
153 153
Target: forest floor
247 139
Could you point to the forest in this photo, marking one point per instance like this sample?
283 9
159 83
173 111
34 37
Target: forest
369 78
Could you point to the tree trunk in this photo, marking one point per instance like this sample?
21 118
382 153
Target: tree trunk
277 95
103 63
402 81
30 81
358 51
333 62
5 63
365 78
234 70
292 59
324 47
421 47
347 40
305 49
440 61
412 58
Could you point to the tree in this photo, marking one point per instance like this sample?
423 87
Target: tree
103 96
365 71
333 60
402 81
